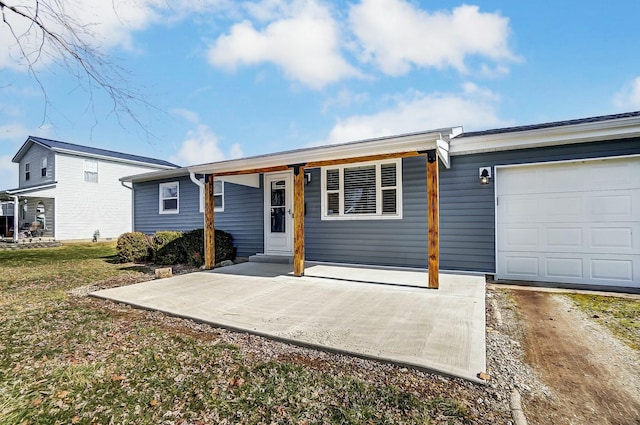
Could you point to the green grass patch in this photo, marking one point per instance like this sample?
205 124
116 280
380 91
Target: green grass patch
620 315
63 267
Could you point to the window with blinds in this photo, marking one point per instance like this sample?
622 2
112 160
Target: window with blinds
360 191
90 171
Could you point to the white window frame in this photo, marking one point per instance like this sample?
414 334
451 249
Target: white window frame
27 171
221 194
87 170
378 215
43 167
161 209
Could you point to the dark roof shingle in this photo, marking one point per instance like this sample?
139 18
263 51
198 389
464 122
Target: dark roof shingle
55 144
550 124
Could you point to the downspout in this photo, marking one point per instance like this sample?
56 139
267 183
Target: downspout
133 206
200 185
16 204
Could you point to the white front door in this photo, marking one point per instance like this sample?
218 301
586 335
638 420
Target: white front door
278 213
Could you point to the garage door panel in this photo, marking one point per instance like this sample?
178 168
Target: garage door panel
564 268
559 208
612 237
609 269
609 174
610 207
522 266
564 237
563 179
570 222
520 208
517 181
521 239
568 268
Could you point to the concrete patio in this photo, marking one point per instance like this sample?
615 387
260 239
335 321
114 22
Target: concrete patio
383 314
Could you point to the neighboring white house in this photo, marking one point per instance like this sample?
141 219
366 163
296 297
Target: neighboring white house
73 192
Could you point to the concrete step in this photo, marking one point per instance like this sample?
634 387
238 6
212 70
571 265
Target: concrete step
266 258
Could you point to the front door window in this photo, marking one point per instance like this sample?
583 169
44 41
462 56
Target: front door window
278 207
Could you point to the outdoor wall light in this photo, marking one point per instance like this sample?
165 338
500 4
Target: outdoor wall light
485 175
307 178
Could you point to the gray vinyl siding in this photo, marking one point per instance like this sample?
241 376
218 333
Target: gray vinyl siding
34 158
467 210
242 215
381 242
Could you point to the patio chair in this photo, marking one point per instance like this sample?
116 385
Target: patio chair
35 230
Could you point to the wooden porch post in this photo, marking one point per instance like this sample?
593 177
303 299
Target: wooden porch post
298 220
433 219
209 225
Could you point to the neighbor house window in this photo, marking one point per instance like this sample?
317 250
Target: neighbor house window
43 168
27 171
169 194
371 190
218 196
90 171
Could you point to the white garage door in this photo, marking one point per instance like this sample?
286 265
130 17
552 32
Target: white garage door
576 222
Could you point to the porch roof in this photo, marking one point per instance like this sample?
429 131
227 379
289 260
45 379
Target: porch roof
28 189
393 145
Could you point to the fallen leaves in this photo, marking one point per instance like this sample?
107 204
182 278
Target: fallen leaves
236 382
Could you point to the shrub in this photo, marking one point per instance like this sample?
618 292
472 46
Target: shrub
166 247
193 247
133 247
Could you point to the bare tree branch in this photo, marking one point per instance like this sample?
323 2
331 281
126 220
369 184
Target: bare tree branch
67 42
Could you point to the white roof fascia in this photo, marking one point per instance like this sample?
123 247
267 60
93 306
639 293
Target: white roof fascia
390 145
30 189
156 175
553 136
442 146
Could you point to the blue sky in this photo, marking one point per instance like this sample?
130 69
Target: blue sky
225 79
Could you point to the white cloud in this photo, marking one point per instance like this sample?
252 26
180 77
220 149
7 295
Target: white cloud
106 24
629 96
398 36
305 44
267 10
474 108
186 114
201 146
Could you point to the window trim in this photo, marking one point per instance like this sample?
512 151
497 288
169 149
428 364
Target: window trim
43 167
221 194
27 171
378 215
161 209
84 171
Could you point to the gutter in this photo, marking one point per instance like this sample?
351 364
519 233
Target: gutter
31 188
200 185
16 204
193 178
133 205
